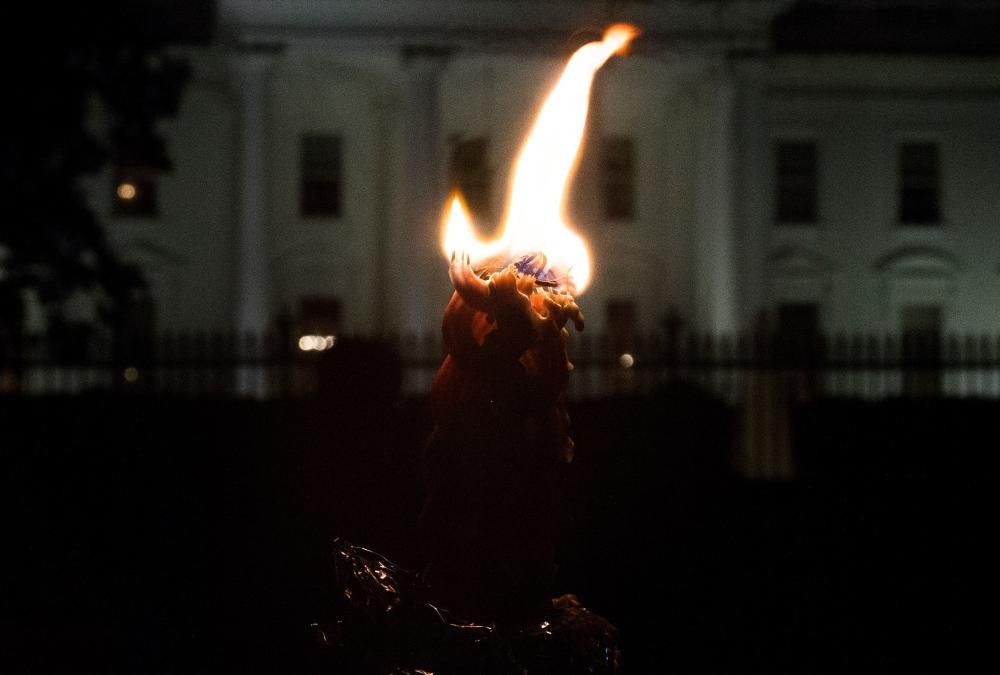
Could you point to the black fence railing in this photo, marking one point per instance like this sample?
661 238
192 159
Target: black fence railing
762 378
866 366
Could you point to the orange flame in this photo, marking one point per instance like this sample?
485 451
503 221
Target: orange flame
535 221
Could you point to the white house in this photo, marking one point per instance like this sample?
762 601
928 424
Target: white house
725 180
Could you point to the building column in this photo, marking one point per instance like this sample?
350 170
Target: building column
252 78
715 236
752 212
420 274
386 110
252 71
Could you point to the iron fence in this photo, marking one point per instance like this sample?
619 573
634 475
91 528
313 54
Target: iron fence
865 366
763 378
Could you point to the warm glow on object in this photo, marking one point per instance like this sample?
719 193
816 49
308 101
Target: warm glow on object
535 221
626 360
126 191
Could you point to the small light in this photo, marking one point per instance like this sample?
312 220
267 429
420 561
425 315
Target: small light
626 360
317 343
131 374
126 191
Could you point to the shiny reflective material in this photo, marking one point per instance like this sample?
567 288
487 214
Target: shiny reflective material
381 622
369 580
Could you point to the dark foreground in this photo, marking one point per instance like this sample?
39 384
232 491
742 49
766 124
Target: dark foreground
153 536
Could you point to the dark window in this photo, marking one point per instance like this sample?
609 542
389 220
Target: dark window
921 326
921 320
618 178
137 328
621 325
798 328
919 198
135 192
319 315
469 173
322 180
798 319
798 345
796 182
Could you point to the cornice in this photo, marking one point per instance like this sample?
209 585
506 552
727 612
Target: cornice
499 25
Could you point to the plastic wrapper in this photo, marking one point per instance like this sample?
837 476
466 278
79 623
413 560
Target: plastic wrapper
381 623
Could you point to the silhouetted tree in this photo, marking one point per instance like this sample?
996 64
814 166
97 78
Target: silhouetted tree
83 84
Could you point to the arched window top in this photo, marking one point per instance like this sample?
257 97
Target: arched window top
918 261
797 261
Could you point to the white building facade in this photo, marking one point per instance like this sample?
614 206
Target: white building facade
319 138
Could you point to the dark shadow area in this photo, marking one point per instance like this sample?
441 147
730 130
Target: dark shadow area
192 535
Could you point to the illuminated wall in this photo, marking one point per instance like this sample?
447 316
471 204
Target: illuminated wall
703 103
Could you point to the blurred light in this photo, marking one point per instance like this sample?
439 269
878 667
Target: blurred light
317 343
126 191
131 374
626 360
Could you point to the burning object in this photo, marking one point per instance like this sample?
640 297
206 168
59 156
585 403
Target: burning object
501 427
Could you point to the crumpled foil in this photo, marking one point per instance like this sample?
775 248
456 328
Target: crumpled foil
381 623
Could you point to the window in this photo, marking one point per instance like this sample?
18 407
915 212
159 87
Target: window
921 327
620 315
798 328
797 192
799 320
921 320
321 171
469 173
319 318
618 178
135 192
797 344
919 198
319 315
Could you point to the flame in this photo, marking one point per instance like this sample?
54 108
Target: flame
535 221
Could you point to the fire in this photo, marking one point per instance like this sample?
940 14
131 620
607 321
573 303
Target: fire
535 221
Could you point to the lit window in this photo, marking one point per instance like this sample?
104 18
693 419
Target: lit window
135 192
618 178
322 184
797 196
469 172
919 195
